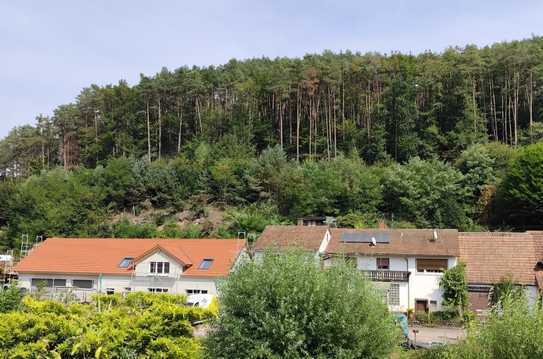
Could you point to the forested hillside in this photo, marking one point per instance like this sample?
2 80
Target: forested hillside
424 140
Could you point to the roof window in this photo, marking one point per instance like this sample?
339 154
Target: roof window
206 263
126 262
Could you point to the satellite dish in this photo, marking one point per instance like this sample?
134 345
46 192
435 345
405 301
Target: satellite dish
373 241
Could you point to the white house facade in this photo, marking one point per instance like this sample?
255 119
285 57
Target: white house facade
406 264
82 267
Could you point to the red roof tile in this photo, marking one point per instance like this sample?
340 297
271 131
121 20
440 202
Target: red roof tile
304 237
492 256
103 255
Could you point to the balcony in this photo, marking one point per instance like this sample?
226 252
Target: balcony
386 275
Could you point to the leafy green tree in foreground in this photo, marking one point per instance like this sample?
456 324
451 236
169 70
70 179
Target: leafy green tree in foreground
285 306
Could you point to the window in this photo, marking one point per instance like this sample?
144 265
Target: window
394 294
59 282
196 291
42 283
206 263
158 290
127 289
110 291
433 265
48 283
383 263
82 283
126 262
160 267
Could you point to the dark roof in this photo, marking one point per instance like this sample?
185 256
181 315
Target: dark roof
395 242
492 256
279 236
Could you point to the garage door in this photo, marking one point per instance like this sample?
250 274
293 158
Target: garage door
478 301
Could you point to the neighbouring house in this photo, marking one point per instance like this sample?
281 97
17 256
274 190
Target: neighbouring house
6 269
308 238
83 266
493 256
316 221
407 264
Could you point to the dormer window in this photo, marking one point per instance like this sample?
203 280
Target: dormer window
206 263
126 262
160 267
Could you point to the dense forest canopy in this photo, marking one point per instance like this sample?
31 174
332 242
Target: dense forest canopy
428 140
432 105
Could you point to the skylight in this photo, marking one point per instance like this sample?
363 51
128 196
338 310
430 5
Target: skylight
206 263
126 262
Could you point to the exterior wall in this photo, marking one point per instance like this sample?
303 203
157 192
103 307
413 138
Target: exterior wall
143 268
121 284
421 286
370 263
425 286
25 280
532 294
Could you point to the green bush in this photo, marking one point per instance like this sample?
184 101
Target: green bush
505 289
514 331
10 298
138 325
287 307
455 288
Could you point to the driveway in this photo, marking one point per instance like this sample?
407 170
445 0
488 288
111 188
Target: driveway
428 336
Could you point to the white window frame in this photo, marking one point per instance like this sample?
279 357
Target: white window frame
155 266
196 291
158 290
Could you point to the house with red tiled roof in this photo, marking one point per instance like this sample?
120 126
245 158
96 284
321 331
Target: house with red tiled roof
408 264
493 256
87 265
308 238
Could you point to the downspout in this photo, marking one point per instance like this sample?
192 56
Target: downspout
100 283
408 280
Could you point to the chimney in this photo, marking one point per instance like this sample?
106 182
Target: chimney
381 224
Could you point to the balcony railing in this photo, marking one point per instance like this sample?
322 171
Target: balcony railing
65 294
386 276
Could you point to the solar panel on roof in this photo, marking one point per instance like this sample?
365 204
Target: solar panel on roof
365 237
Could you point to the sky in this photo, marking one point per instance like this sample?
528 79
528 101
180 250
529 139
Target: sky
50 50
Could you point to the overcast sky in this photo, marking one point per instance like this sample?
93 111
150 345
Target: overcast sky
50 50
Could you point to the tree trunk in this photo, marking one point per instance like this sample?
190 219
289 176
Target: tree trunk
148 131
180 117
159 129
199 115
530 95
298 104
